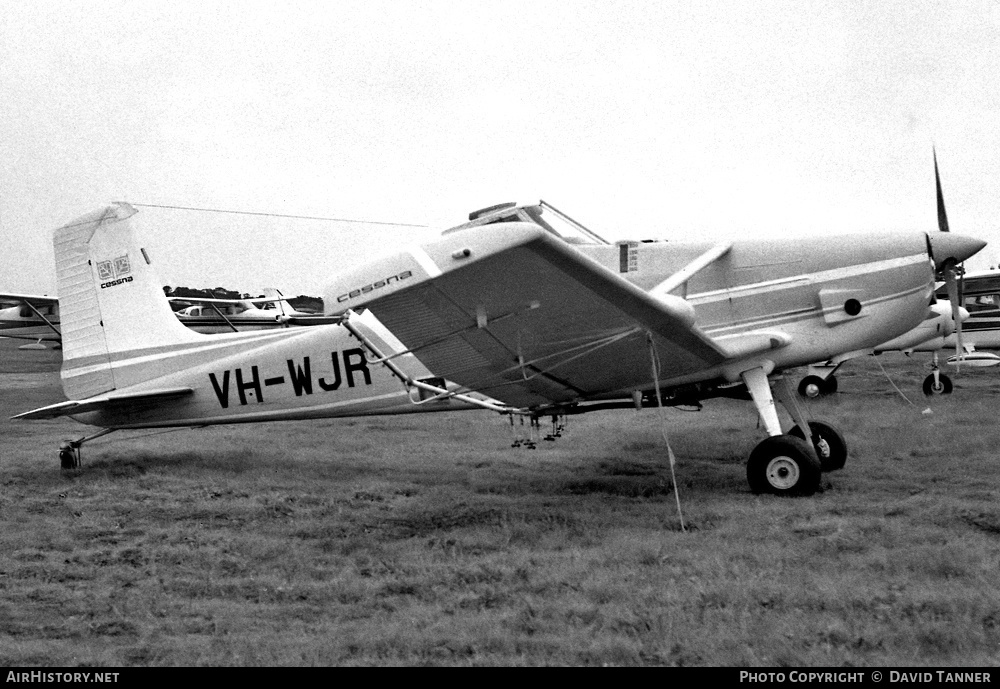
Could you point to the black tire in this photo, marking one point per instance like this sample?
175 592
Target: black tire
783 465
830 385
812 387
67 459
831 448
944 388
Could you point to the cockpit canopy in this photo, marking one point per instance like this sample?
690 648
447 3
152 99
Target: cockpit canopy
542 214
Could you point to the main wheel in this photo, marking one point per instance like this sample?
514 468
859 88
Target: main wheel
812 387
783 465
942 387
67 458
831 448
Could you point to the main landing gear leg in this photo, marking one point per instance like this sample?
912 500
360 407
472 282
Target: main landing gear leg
781 464
937 383
69 450
830 446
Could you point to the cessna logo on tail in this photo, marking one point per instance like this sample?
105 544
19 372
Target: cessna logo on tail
374 286
114 272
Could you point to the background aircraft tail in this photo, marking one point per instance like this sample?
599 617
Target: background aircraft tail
283 307
110 299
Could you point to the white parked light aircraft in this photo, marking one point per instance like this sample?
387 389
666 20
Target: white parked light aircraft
546 320
935 332
981 298
942 328
36 317
238 315
30 317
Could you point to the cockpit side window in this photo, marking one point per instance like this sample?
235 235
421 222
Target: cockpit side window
983 302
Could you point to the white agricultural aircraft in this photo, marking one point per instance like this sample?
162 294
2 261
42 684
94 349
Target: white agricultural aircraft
547 321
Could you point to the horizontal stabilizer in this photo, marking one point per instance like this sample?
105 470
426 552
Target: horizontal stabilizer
102 402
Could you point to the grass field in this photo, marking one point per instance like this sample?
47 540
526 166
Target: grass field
429 540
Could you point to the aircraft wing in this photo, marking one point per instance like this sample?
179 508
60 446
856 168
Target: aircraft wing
47 337
206 300
514 313
36 299
100 402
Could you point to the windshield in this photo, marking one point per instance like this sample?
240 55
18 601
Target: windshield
548 217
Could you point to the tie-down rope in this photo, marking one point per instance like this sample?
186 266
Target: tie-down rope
655 360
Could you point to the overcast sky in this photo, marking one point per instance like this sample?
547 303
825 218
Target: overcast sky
640 119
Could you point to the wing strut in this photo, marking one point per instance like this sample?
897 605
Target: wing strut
39 314
688 271
409 381
223 316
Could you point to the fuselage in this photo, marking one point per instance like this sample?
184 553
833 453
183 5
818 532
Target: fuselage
294 373
931 335
805 288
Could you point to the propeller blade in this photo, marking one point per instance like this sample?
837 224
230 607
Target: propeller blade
951 284
942 215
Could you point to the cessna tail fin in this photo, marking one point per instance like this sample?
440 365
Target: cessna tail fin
283 307
110 300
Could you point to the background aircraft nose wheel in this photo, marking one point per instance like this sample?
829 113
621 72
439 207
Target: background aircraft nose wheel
831 448
783 465
814 386
942 386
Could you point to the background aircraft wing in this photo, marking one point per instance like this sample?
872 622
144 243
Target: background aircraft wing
519 315
207 300
36 299
312 320
44 337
